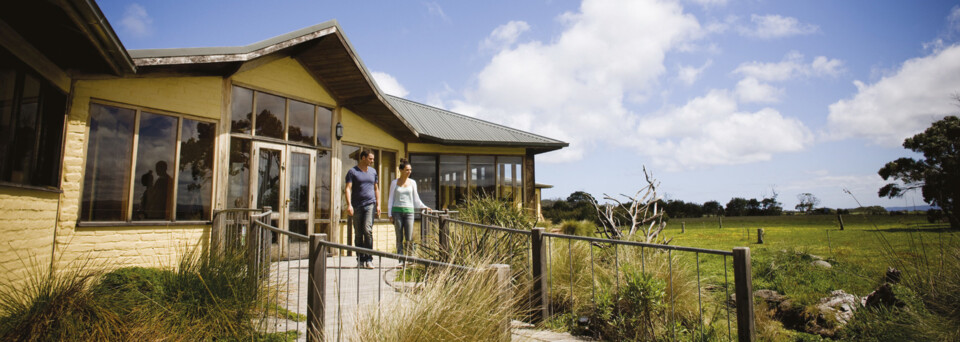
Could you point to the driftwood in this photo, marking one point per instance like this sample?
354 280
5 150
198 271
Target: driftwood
640 214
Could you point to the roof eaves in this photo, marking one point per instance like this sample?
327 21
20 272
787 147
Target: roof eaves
147 57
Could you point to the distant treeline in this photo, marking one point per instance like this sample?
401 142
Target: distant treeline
579 206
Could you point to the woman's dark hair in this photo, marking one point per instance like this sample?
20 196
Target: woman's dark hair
404 163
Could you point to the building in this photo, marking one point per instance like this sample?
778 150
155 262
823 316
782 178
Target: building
124 157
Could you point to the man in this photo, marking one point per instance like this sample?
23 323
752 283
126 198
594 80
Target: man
363 201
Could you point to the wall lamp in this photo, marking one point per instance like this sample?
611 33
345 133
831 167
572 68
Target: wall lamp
339 132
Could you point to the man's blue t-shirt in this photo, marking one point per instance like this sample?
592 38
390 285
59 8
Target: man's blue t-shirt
362 193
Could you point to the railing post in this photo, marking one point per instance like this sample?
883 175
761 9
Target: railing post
539 302
216 230
743 278
252 243
501 276
316 287
443 236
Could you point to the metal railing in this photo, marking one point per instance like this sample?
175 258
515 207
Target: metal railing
304 285
537 250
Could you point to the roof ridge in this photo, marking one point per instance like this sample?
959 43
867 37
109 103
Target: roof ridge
484 122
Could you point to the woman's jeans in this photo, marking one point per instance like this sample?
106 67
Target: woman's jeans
403 225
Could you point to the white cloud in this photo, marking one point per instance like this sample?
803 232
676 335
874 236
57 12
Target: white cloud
136 21
434 9
776 26
792 66
505 35
574 86
711 130
710 3
388 84
953 20
689 74
901 105
750 90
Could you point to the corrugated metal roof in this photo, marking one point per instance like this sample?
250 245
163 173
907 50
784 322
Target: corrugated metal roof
451 128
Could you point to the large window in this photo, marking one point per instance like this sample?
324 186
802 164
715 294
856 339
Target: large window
31 126
147 166
277 118
446 181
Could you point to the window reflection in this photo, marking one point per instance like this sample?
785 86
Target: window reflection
268 185
323 187
238 187
425 174
270 115
324 126
453 181
195 180
483 176
301 122
108 163
348 159
511 182
299 173
153 189
241 109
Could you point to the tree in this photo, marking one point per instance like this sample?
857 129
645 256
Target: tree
623 219
712 208
737 206
937 175
807 202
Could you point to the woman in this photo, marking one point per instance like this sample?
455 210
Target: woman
402 204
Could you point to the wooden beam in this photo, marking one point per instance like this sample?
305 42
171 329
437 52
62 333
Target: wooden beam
32 57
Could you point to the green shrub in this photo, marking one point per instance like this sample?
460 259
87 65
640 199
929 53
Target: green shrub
581 228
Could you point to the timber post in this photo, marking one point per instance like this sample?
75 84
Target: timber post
539 301
743 280
316 287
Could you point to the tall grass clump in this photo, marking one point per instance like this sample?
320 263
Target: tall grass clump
928 295
637 294
452 306
489 210
55 305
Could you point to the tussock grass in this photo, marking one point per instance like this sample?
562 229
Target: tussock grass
55 305
452 306
209 296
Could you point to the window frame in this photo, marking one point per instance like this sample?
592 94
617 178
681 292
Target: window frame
253 137
469 180
131 177
46 88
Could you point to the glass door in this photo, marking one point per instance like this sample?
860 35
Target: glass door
301 175
267 191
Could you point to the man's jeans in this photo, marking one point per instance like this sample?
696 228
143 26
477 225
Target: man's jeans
363 230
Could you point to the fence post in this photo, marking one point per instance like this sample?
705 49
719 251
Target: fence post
252 243
316 287
760 235
743 278
539 301
501 275
443 236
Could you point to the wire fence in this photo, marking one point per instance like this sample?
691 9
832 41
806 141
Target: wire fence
309 290
584 278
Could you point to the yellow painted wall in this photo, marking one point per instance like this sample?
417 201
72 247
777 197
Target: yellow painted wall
437 148
357 130
27 219
128 245
285 77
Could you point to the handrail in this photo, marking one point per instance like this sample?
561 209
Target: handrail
281 231
643 244
503 229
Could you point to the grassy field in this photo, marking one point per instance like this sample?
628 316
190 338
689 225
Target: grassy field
860 254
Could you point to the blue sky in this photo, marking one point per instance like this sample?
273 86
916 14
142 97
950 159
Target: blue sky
718 98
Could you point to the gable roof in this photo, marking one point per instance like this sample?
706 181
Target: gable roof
323 51
446 127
